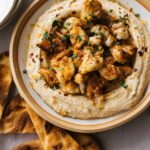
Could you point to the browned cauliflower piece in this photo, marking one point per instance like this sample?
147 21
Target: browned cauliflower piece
71 22
120 53
78 37
49 76
104 32
120 30
92 9
124 71
95 40
59 56
70 88
81 81
109 72
65 69
90 63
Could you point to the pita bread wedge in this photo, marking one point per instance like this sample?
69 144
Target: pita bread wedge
52 137
86 141
33 145
16 118
5 80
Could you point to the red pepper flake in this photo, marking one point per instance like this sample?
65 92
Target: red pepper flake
31 54
33 60
135 69
65 94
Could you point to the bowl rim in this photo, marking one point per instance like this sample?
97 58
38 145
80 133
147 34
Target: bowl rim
139 108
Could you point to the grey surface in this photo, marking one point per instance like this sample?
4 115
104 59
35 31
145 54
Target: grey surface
134 135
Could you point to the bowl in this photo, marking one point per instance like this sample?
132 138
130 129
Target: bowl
18 52
11 14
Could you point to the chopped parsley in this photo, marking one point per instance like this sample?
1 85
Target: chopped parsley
137 15
88 22
123 84
51 68
66 38
96 48
118 43
102 34
68 23
79 38
74 56
111 10
57 23
54 46
107 53
45 35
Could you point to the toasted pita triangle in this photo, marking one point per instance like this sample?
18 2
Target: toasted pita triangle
5 80
16 118
52 138
33 145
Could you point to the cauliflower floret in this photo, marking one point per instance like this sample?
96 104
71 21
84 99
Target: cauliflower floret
92 9
95 40
71 23
65 69
90 63
81 80
78 37
110 72
120 53
120 31
49 76
124 71
104 32
70 88
55 59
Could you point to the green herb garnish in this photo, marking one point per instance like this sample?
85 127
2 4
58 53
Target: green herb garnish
111 10
137 15
88 22
74 56
68 23
54 46
45 35
57 23
51 68
107 53
96 48
79 38
123 84
102 34
66 38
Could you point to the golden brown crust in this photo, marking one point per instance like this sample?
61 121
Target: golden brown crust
52 137
33 145
86 141
16 118
5 80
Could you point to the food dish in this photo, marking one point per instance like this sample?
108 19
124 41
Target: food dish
18 52
78 65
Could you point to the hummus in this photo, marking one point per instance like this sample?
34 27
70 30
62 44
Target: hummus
89 58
